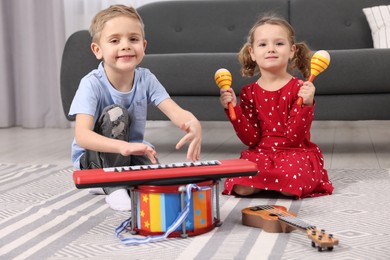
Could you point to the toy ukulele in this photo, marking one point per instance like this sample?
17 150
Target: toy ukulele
318 63
275 219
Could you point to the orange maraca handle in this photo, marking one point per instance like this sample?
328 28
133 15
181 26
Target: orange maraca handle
232 113
223 78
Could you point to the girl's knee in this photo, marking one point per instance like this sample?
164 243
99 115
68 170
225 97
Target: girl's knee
245 190
287 194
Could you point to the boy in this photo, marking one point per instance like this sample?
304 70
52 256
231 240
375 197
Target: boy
110 104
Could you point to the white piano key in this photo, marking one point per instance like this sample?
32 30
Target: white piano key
162 166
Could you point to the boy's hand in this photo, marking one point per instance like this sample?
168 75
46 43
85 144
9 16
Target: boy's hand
194 137
139 149
307 92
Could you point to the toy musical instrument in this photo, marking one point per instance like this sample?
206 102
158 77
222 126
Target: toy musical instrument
158 194
319 62
223 78
158 174
275 219
157 207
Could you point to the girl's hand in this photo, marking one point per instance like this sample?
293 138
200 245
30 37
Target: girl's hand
227 96
307 92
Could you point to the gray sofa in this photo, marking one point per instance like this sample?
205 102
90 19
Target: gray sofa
189 40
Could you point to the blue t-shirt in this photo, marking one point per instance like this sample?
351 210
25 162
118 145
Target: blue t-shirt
95 93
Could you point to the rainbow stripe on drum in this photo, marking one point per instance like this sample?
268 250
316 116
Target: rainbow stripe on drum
157 211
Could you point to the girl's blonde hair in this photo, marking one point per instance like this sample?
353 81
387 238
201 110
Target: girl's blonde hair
111 12
301 59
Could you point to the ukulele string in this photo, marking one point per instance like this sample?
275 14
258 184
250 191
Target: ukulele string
278 212
287 217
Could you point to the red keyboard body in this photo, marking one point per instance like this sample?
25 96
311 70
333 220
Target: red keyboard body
163 174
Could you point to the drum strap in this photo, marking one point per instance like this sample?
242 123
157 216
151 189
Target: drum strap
178 221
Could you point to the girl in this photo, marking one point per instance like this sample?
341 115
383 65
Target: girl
275 129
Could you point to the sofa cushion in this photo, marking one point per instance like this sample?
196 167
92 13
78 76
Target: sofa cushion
332 24
357 71
203 26
192 74
378 18
353 107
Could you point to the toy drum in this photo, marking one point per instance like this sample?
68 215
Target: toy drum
157 208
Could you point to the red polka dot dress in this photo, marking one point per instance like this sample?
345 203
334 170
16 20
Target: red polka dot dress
277 133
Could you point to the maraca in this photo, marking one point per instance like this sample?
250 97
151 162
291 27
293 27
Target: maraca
319 62
223 78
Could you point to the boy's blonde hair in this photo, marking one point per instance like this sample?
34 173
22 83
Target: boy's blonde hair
111 12
301 59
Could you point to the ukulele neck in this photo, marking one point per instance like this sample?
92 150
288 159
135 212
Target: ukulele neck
319 238
274 218
295 222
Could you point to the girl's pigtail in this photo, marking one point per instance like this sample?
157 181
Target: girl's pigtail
301 59
249 67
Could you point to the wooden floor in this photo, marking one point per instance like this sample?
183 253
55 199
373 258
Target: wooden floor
357 144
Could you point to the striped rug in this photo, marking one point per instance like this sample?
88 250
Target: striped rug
43 216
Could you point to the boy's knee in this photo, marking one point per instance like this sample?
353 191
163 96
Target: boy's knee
114 122
114 114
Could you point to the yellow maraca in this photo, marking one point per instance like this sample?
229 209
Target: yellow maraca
223 78
319 62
